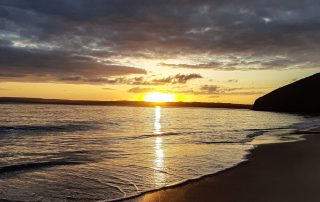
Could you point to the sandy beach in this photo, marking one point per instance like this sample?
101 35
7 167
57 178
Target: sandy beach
274 172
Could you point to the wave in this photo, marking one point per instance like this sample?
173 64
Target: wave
47 128
259 132
152 135
312 123
253 133
304 127
33 166
223 142
182 182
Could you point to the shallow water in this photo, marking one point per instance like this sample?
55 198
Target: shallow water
89 153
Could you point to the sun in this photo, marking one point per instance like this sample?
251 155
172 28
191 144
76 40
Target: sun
159 97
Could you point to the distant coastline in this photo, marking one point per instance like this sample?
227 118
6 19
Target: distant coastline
24 100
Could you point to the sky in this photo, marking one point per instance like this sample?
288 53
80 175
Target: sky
207 51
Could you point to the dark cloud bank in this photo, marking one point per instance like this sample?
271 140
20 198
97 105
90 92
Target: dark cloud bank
75 40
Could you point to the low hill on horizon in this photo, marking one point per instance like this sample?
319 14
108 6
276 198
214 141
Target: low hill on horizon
23 100
300 96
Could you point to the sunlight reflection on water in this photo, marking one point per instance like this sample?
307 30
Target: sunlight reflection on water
159 153
157 124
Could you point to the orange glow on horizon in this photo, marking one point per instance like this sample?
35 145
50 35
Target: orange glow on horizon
159 97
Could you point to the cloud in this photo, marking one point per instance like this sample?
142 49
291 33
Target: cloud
232 81
140 90
247 92
206 90
209 89
19 64
108 89
216 91
177 79
84 41
211 65
249 62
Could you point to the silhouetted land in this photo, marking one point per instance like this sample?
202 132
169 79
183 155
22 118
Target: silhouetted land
300 96
17 100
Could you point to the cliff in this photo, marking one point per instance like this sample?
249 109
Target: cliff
300 96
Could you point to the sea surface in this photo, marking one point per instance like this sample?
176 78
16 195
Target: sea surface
104 153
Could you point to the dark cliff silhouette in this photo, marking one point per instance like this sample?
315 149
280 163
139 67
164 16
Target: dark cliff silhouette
300 96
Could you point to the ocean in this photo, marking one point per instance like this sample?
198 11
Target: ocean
105 153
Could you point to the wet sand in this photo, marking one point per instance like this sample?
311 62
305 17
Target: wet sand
274 173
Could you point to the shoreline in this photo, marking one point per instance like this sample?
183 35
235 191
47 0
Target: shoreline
222 186
179 184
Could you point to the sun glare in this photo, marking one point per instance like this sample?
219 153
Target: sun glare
159 97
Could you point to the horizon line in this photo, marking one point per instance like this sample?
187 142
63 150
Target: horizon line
36 100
